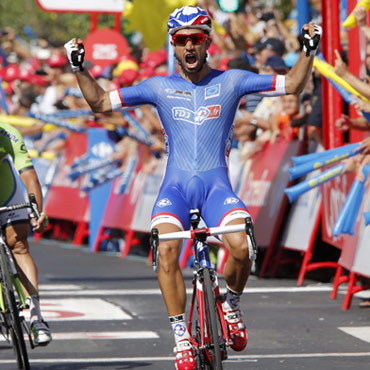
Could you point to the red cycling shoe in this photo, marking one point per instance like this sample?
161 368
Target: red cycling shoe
237 329
184 356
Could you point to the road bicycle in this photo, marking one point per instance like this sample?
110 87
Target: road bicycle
206 324
12 298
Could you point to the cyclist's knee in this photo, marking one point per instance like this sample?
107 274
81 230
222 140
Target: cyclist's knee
238 246
16 238
168 255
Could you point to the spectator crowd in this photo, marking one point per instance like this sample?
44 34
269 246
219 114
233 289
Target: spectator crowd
36 80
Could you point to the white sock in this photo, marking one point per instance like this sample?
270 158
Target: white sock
35 311
179 328
232 300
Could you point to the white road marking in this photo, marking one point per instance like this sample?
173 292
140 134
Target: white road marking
78 309
169 358
59 287
156 291
360 332
105 335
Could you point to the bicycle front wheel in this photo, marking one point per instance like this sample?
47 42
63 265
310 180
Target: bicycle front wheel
213 326
11 314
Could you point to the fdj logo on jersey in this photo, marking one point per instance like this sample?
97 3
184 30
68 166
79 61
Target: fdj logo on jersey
198 117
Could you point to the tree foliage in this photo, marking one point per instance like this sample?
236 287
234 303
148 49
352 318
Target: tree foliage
55 27
59 27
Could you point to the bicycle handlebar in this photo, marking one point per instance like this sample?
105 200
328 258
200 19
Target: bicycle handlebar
202 234
208 231
32 205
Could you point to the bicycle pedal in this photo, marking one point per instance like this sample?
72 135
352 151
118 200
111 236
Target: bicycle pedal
224 355
221 298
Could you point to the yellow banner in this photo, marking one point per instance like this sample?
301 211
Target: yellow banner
328 71
150 19
350 21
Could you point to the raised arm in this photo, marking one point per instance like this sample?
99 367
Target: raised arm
32 185
341 70
297 77
97 98
360 14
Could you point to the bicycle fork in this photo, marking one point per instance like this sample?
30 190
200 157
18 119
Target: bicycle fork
201 328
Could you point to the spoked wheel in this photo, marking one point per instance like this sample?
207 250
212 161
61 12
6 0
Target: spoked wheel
12 319
213 352
200 355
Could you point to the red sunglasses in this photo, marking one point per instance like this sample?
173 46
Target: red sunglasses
195 38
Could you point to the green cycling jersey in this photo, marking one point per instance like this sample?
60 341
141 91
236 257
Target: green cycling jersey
11 143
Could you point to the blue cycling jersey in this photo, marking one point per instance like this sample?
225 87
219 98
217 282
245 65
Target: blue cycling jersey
198 124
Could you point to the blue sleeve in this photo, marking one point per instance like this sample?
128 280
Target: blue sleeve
246 82
143 93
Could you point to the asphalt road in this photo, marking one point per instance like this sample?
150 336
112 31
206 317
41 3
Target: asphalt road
107 313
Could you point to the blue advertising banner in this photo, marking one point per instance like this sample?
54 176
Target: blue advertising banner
99 147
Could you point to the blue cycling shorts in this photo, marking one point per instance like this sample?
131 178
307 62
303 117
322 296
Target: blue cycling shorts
209 191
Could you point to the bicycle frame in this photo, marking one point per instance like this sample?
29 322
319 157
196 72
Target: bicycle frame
12 297
210 336
15 277
201 262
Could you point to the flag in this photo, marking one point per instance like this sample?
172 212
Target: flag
150 19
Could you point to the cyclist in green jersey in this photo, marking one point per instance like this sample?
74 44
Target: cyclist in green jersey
15 160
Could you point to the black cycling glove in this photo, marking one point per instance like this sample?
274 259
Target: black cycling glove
75 56
311 44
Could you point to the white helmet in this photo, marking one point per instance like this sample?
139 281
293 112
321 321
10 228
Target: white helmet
189 17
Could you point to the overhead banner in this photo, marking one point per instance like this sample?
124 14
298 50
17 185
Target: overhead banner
82 6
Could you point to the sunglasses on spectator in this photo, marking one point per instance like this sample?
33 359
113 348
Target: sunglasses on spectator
195 38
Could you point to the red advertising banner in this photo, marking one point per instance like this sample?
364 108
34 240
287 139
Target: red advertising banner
105 47
355 251
120 208
334 195
361 263
143 212
65 200
263 187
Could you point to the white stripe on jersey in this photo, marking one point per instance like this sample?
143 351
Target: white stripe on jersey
279 87
115 100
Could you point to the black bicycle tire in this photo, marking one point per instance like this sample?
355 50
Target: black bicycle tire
16 331
210 304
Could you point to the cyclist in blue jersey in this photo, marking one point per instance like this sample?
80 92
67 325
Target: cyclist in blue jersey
197 107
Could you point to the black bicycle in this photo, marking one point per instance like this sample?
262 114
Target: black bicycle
13 325
206 324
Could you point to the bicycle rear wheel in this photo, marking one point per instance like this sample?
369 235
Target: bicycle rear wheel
12 319
213 326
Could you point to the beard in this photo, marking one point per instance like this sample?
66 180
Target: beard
196 70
